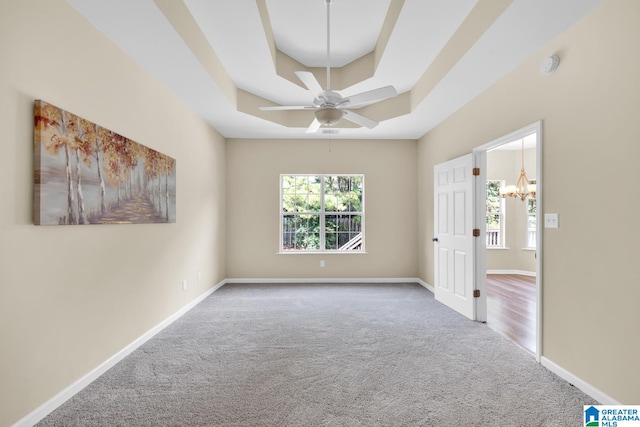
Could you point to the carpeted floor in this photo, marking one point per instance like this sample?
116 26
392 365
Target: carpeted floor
325 355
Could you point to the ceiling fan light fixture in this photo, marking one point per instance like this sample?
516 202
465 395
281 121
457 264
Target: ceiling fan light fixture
328 116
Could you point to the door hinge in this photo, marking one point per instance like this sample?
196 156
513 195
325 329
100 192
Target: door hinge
476 171
476 293
476 232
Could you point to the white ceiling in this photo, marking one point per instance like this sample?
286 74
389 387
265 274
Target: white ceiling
236 34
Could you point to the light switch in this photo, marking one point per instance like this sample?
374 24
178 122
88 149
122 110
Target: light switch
551 220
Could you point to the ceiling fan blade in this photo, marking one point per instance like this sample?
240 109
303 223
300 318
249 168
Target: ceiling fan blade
311 83
369 96
359 119
314 126
288 107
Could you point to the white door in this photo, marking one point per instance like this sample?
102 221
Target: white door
453 235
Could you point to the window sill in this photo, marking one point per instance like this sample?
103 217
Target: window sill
322 253
498 248
529 249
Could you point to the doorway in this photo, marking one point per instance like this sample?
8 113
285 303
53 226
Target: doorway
508 252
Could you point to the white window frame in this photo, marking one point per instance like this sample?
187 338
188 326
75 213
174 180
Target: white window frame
322 215
501 244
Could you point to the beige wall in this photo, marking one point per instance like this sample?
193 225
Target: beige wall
253 173
505 165
73 296
590 110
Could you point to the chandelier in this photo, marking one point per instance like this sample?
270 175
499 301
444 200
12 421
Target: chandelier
523 187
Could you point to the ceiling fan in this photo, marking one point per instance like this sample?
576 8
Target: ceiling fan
330 107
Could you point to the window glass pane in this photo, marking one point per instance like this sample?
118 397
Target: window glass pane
300 203
331 225
313 193
494 201
334 204
355 198
301 184
495 208
343 232
288 184
314 184
313 203
343 193
493 189
531 220
288 203
301 232
333 200
493 222
343 239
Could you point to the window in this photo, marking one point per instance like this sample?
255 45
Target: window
531 221
322 213
495 214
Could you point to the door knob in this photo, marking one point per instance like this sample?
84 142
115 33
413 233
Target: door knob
435 239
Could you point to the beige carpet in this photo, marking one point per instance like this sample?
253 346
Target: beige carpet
325 355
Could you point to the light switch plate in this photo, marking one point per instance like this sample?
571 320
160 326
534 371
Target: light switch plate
551 220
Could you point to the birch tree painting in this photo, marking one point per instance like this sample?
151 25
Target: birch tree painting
86 174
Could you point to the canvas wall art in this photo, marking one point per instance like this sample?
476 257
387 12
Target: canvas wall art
86 174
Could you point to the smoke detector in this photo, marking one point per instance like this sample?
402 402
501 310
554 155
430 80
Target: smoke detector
549 65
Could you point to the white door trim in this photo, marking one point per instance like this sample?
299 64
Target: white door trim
480 160
479 222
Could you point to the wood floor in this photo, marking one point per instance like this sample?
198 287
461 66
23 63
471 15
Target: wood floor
511 308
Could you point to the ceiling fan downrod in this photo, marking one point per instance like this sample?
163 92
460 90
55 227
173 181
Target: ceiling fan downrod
328 3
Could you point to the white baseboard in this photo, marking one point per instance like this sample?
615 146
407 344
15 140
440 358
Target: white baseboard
587 388
339 280
519 272
327 280
426 285
49 406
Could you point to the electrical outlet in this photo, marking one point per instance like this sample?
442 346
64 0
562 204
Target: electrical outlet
199 276
322 263
184 284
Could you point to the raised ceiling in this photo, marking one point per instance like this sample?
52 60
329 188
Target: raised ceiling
227 58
